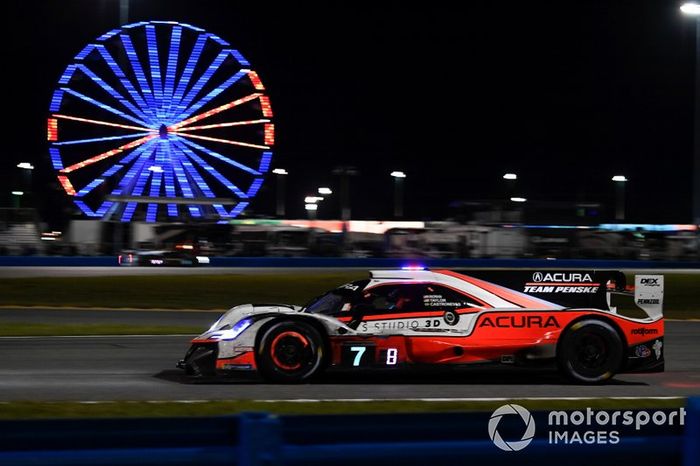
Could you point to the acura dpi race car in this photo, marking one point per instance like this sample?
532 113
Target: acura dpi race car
414 318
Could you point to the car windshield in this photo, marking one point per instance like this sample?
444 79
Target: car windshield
334 301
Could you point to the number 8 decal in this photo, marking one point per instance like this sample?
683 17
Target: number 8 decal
391 356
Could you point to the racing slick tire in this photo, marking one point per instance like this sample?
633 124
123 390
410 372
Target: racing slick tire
289 352
590 351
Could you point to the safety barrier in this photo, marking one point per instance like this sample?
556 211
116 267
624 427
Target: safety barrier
342 262
258 439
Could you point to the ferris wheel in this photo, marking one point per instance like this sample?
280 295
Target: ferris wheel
160 121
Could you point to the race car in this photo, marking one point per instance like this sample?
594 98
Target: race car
181 256
417 318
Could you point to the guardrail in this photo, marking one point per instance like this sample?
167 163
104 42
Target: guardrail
342 262
258 439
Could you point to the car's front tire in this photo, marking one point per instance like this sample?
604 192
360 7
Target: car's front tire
289 352
590 351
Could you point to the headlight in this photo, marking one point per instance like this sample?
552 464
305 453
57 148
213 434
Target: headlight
232 333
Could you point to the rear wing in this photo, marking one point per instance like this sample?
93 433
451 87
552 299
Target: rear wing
581 288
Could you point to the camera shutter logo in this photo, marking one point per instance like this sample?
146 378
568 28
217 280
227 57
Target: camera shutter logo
508 410
537 277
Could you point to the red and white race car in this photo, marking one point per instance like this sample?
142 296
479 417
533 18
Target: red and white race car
400 318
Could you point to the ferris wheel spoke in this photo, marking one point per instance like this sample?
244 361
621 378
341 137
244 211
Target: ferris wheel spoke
154 63
216 155
223 141
211 170
106 155
171 69
189 67
185 185
113 170
99 104
213 93
102 139
169 178
138 71
117 70
203 80
112 92
226 125
213 111
99 122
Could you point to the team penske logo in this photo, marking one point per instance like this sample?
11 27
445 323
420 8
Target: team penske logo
561 282
522 321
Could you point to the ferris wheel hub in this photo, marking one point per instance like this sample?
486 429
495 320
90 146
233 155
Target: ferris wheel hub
163 131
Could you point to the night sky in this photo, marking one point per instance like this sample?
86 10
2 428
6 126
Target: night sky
566 94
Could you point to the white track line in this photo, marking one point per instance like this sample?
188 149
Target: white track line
364 400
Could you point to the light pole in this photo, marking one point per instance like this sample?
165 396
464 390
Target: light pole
281 173
510 184
17 196
620 181
398 192
345 172
311 209
27 168
693 9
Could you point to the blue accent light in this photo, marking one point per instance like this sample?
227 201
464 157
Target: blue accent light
107 138
56 100
155 67
65 77
85 52
235 212
85 209
233 332
138 71
216 91
119 73
223 158
92 185
190 66
103 106
109 34
265 162
135 25
219 40
253 190
56 158
414 267
113 92
240 58
203 79
221 178
171 70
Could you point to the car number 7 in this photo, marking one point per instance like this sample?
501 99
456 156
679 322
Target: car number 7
358 357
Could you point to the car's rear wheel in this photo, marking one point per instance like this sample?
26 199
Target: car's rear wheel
590 351
289 352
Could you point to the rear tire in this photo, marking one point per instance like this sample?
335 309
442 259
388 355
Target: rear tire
590 351
289 352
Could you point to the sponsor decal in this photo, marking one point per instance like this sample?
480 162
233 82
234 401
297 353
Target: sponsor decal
561 282
648 301
512 410
512 427
522 321
657 348
649 282
561 277
642 351
644 331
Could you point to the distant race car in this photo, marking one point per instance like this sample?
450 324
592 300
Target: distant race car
418 318
180 257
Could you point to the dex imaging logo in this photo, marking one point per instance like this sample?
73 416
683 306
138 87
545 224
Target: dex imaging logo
512 410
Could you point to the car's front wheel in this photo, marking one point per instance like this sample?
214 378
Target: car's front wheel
590 351
289 352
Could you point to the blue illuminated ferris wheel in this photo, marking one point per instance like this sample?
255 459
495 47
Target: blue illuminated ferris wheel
160 121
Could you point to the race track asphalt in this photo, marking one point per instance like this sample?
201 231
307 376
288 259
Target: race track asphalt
142 368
